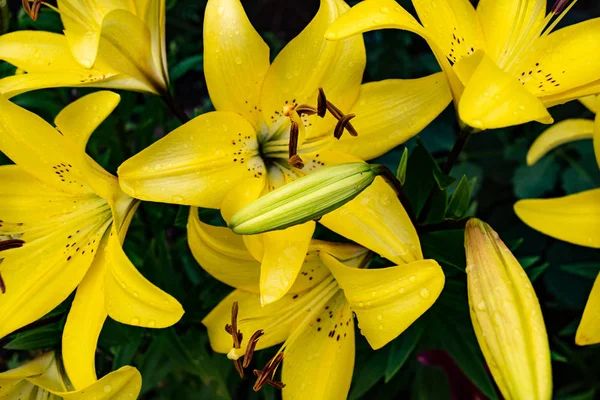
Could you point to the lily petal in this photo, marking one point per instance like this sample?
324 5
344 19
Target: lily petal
50 265
240 196
557 98
84 323
132 299
597 138
375 218
236 59
124 383
388 300
589 327
384 14
252 317
78 121
499 20
126 43
562 61
390 112
453 25
34 367
309 62
197 164
558 134
319 363
574 218
494 99
223 254
591 103
284 254
154 13
40 149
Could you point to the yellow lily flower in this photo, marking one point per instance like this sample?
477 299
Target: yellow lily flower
504 65
314 320
67 218
574 218
506 316
42 378
106 43
228 158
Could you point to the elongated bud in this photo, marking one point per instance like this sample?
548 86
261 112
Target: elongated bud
304 199
506 316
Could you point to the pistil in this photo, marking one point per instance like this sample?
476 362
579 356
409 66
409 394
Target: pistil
237 342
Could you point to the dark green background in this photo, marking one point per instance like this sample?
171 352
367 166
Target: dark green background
177 363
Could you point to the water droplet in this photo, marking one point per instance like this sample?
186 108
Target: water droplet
481 305
221 10
238 60
107 389
379 317
385 10
361 304
424 293
412 278
136 294
177 199
380 327
401 290
135 321
151 323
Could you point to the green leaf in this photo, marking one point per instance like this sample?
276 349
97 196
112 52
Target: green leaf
419 178
430 384
181 219
44 337
536 180
185 66
444 181
459 203
201 365
536 272
527 262
368 374
124 354
401 348
401 173
588 270
446 247
437 208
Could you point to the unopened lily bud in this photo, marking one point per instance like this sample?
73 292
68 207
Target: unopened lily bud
506 316
307 198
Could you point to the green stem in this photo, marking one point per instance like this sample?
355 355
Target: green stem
174 107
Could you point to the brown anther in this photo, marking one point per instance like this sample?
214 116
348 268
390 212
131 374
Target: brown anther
288 109
305 109
32 10
296 162
336 112
265 376
341 125
2 286
321 103
239 368
233 330
11 244
559 6
251 347
294 159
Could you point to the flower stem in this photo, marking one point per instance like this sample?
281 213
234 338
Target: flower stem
461 141
174 107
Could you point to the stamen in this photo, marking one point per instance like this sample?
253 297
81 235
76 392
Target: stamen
558 6
305 109
294 158
342 124
7 245
236 335
251 347
321 103
34 9
265 376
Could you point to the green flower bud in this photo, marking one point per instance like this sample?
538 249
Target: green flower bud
307 198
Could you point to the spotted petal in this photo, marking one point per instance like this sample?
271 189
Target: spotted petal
319 363
197 164
388 300
309 62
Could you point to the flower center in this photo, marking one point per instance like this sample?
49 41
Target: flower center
281 147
